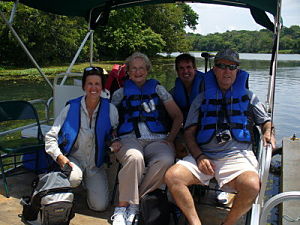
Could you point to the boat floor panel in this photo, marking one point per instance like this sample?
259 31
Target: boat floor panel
20 186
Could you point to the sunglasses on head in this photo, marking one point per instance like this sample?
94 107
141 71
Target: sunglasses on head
224 66
93 68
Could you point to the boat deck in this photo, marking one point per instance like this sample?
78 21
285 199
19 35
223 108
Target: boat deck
290 179
20 186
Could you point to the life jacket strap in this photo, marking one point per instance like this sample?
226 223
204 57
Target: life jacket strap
227 126
229 113
227 101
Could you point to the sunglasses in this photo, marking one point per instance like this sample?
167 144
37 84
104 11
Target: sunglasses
93 69
224 66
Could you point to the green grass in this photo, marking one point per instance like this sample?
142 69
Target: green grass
50 71
11 73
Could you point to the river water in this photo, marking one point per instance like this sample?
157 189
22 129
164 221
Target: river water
287 95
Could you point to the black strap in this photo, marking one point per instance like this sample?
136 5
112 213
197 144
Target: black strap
35 204
51 191
140 97
142 119
226 126
227 101
229 113
136 129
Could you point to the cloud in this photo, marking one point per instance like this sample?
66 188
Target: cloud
290 12
216 18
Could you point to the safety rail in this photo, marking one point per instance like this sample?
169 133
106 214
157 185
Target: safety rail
264 158
275 200
264 168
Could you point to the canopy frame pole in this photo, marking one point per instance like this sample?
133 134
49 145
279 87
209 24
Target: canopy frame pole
13 12
91 39
76 56
91 47
90 35
25 48
273 66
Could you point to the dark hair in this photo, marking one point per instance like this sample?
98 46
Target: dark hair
185 57
92 70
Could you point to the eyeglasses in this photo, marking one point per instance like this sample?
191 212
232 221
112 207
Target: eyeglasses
224 66
136 69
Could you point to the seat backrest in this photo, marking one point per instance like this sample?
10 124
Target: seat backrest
62 94
19 110
16 110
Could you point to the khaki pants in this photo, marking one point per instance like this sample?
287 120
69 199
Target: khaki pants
95 182
138 157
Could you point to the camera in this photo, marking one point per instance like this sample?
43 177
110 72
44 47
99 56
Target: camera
223 136
67 169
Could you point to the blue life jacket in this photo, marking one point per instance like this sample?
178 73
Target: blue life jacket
132 111
233 107
70 129
180 95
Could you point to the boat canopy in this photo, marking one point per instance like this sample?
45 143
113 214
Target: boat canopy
84 8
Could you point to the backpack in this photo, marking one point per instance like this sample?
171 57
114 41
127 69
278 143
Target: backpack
116 78
154 208
51 202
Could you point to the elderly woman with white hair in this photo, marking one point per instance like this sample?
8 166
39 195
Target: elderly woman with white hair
146 139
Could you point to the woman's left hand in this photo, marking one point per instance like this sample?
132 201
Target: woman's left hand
116 146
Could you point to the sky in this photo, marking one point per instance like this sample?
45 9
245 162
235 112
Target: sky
215 18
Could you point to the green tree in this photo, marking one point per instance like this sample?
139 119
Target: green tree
169 20
121 37
50 38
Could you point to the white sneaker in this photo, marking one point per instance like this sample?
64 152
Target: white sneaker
119 216
223 198
132 217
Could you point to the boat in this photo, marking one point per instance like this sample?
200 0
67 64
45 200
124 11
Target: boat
98 13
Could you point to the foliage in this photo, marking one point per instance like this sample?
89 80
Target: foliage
151 29
248 41
54 39
169 20
48 37
120 38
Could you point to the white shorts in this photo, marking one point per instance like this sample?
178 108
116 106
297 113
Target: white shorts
226 169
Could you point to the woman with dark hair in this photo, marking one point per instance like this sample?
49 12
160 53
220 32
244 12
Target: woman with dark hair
79 135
